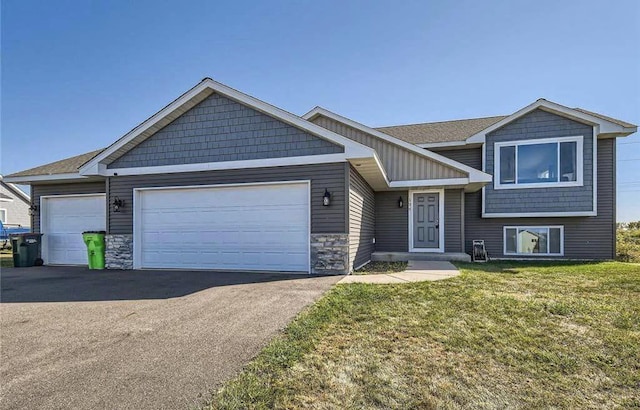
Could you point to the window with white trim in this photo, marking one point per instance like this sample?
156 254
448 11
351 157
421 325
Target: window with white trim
3 216
534 240
539 163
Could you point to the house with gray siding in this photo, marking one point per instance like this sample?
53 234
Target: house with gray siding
220 180
14 205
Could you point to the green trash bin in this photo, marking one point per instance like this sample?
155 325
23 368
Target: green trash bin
26 249
95 248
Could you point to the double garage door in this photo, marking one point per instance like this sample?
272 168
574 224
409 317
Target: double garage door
244 227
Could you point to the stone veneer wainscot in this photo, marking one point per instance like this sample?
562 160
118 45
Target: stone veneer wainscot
330 253
119 251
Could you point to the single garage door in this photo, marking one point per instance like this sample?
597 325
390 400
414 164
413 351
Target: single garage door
63 219
245 227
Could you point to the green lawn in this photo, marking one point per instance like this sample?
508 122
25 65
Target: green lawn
501 335
6 259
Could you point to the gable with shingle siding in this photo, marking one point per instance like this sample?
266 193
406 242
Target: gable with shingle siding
220 129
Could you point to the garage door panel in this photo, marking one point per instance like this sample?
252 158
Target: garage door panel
64 220
261 227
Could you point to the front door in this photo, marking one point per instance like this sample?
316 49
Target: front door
426 223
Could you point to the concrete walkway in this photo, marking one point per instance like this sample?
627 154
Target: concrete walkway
417 271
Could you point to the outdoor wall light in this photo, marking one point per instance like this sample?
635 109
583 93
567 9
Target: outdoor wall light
117 204
400 202
326 198
33 209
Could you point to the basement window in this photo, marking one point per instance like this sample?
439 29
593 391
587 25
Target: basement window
534 240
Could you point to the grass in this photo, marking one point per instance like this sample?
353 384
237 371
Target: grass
501 335
628 244
381 267
6 259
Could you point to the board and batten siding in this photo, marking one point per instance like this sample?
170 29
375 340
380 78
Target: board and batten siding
361 220
38 191
399 163
324 219
536 125
219 129
584 237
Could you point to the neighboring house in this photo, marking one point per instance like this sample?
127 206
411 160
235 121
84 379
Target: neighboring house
14 205
220 180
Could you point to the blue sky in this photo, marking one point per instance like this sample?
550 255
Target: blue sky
76 75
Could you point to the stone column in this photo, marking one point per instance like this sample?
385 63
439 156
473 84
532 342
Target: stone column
119 251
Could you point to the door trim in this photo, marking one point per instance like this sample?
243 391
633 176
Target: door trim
44 215
440 192
137 223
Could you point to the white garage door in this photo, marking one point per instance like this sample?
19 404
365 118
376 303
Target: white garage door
248 227
63 219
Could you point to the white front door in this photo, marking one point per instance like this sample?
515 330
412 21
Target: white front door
63 219
244 227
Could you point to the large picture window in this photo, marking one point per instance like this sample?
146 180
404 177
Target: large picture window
534 240
539 163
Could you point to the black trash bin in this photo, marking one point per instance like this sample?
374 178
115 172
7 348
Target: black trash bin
26 249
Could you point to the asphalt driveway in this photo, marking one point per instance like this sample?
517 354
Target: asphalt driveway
74 338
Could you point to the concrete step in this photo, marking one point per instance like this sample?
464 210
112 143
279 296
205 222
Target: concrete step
407 256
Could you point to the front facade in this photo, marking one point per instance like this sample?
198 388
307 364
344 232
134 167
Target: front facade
220 180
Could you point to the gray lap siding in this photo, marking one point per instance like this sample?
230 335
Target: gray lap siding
361 220
38 191
331 219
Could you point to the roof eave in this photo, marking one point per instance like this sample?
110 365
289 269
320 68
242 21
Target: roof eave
605 127
49 178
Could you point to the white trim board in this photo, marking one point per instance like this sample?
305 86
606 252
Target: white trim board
6 216
441 221
42 178
474 174
215 166
537 214
352 148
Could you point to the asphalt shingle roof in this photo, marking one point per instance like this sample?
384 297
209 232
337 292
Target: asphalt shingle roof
446 131
64 166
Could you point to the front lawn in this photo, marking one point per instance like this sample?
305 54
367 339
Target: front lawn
373 268
501 335
6 259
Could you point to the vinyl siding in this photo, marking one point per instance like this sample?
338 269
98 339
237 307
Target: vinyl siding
453 220
535 125
17 210
331 219
471 157
38 191
584 237
392 223
399 163
219 129
361 220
